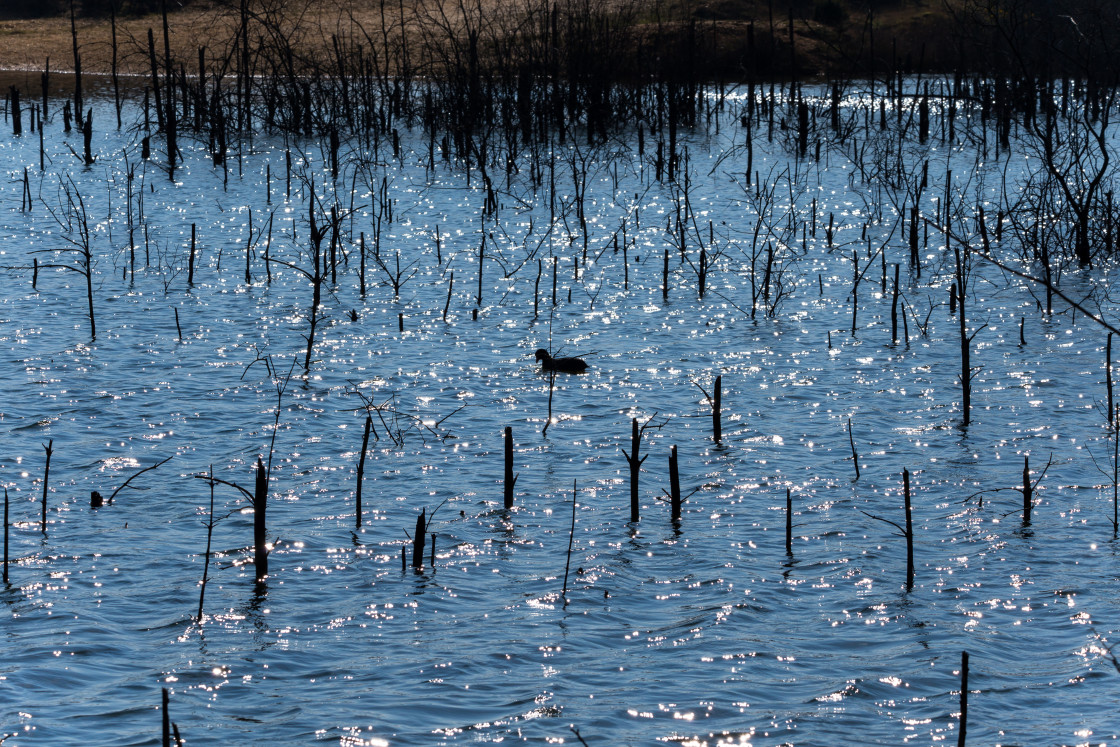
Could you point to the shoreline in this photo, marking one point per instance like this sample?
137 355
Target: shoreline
918 38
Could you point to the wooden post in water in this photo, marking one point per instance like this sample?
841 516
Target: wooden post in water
45 87
966 366
894 307
17 112
571 540
450 285
665 278
418 540
674 484
1107 373
717 398
964 700
923 119
334 151
267 247
1028 491
510 478
802 120
361 472
703 270
5 536
362 263
166 720
334 249
635 465
909 531
1116 475
190 259
209 537
551 387
855 456
260 504
915 257
883 263
625 267
537 290
789 523
48 447
249 250
481 256
87 136
855 289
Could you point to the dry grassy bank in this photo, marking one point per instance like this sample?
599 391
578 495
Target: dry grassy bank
910 30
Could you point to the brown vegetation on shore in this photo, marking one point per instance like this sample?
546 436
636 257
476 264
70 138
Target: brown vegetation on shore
830 37
26 43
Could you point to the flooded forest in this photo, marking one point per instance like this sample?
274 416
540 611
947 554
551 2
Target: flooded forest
438 372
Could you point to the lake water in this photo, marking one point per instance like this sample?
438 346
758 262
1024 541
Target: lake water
703 632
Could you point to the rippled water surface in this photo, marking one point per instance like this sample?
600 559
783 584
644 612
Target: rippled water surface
701 632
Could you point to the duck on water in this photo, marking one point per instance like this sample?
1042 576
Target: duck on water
564 365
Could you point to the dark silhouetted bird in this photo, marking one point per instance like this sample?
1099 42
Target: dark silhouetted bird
564 365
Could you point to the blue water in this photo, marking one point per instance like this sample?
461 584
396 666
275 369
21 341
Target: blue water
701 633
